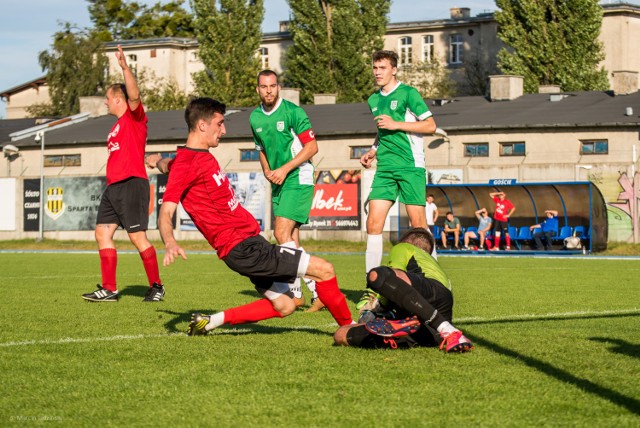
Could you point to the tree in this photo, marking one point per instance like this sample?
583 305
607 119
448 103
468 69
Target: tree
332 45
75 67
431 79
477 69
160 95
552 42
229 38
120 20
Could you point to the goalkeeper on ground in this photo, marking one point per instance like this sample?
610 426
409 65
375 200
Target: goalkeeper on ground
410 304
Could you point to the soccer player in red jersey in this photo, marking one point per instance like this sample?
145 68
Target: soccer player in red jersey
125 202
196 181
504 210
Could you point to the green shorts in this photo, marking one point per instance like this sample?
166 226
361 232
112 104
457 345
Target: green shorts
409 185
292 201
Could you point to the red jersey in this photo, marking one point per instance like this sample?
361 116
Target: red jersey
195 179
126 144
502 209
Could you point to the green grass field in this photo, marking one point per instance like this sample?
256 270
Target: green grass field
557 344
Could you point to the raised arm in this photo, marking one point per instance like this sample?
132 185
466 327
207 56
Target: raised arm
133 93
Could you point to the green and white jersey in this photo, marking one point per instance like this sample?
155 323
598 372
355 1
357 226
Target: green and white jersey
410 258
399 150
278 133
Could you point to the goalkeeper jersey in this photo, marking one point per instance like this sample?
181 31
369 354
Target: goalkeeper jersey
410 258
399 150
280 134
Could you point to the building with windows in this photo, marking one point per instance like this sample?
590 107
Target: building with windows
461 39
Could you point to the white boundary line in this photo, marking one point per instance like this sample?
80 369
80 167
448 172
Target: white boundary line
541 317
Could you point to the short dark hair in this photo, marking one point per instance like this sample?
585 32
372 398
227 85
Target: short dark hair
421 238
119 89
202 108
390 55
449 212
267 73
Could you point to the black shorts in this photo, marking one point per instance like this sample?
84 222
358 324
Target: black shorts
499 226
264 263
126 203
360 337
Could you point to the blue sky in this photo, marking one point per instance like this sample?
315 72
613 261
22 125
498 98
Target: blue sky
27 27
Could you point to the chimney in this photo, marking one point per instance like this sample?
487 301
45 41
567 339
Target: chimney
283 26
549 89
324 99
291 94
624 82
505 87
460 12
93 105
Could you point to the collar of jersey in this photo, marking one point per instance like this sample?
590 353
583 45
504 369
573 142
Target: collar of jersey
269 113
384 94
194 150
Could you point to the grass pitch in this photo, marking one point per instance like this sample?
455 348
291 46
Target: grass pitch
557 343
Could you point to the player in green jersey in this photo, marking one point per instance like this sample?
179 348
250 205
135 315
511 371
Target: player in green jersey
402 117
286 142
415 307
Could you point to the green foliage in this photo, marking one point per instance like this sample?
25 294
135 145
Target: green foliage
229 37
431 79
75 67
332 45
556 345
161 95
122 20
552 42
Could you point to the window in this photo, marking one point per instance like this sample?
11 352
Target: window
428 48
153 53
62 160
472 150
264 58
455 49
594 147
512 149
406 52
358 151
249 155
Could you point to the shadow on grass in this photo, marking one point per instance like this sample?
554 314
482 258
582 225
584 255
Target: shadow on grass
180 318
620 346
630 403
133 290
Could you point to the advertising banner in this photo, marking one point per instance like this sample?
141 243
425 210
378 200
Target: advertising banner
336 202
71 203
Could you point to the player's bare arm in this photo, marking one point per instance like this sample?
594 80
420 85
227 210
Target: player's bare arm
427 126
165 225
129 80
308 151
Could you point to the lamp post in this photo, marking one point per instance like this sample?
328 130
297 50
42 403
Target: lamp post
40 138
578 167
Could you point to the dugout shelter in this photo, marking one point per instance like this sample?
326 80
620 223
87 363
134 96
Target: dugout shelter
580 205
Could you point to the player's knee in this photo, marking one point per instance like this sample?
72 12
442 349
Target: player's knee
340 336
285 307
377 276
323 269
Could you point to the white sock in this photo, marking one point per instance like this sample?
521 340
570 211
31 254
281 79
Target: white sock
311 284
215 320
446 328
373 255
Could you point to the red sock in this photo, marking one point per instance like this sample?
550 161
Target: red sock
334 300
508 239
253 312
108 263
150 262
496 242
